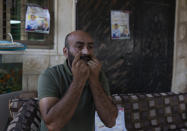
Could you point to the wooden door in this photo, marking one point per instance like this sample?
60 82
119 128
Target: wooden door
142 63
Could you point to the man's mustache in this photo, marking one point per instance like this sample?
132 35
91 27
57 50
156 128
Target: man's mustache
86 57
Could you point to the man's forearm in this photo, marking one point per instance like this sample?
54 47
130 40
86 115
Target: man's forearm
106 109
59 115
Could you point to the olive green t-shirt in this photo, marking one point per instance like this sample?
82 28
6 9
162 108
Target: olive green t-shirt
55 81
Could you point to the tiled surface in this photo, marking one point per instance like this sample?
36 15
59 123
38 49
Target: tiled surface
55 60
12 58
32 82
35 64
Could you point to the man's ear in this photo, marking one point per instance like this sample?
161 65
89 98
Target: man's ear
65 51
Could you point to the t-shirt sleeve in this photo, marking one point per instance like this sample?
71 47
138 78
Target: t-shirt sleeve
104 83
46 85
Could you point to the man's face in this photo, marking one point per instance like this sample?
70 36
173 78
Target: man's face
79 42
33 17
70 57
116 26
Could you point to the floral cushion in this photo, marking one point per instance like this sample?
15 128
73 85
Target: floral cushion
28 116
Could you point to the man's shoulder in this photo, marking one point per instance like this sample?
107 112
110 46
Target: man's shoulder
56 67
53 69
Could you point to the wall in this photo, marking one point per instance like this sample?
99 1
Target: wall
180 53
36 60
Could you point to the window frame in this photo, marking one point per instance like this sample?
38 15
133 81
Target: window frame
48 42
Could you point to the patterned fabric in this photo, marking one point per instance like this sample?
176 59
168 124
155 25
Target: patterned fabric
16 103
154 112
143 112
28 116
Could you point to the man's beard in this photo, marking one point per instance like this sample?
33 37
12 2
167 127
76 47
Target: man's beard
70 58
84 57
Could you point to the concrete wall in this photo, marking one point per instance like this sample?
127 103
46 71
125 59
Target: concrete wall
36 60
179 83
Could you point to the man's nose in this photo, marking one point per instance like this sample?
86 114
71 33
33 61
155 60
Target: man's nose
85 51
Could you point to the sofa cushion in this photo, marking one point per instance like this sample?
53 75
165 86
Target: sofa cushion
154 112
27 118
17 102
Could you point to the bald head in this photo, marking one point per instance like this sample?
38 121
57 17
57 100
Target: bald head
78 42
74 35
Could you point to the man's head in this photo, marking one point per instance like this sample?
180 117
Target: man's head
33 17
78 42
116 26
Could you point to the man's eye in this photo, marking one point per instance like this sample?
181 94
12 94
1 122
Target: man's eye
79 47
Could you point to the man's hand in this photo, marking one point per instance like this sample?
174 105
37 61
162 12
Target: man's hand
95 67
107 111
80 71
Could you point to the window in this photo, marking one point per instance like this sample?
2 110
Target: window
12 19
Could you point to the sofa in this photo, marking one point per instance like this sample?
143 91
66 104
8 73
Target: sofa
154 112
143 112
4 111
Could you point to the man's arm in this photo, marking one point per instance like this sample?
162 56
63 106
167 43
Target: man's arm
107 111
57 112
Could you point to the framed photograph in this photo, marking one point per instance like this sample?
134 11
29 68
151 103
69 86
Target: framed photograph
120 24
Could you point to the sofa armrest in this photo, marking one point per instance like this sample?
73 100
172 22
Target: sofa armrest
28 117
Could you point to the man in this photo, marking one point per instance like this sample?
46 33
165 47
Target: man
70 93
116 31
32 24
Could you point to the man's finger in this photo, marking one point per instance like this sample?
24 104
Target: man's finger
96 61
92 63
94 58
76 59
